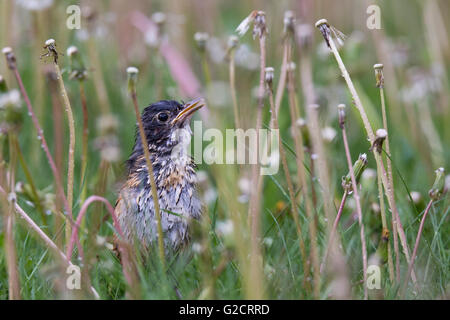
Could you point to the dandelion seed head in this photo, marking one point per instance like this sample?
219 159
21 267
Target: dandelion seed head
132 70
159 18
201 38
328 134
35 5
50 42
381 133
416 197
72 50
269 73
7 50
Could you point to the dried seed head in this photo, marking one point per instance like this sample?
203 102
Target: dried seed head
72 50
327 30
258 18
324 28
7 50
245 24
379 77
341 115
76 65
50 42
269 73
233 42
159 18
132 78
259 25
304 35
200 39
438 186
381 135
50 46
289 23
10 58
358 169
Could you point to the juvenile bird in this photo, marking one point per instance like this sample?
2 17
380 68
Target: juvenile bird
166 125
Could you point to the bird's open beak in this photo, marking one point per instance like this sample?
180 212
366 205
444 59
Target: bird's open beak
188 109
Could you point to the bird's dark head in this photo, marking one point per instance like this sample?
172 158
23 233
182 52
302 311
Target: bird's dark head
161 120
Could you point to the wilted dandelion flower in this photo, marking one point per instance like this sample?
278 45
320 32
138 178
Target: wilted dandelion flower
258 18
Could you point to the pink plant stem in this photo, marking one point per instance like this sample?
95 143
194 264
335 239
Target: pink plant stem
333 230
416 246
110 209
49 243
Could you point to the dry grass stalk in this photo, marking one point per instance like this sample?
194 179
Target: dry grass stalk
325 29
132 79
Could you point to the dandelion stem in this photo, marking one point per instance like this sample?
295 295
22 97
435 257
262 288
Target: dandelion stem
48 242
123 249
71 158
384 225
13 66
8 205
333 230
380 191
359 106
358 209
151 178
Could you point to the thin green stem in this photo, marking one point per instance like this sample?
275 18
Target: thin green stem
387 186
71 158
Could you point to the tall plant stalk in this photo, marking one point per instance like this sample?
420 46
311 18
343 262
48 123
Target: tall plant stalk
324 27
379 75
132 79
357 199
50 45
258 18
11 61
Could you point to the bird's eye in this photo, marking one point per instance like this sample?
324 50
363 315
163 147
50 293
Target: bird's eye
163 116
